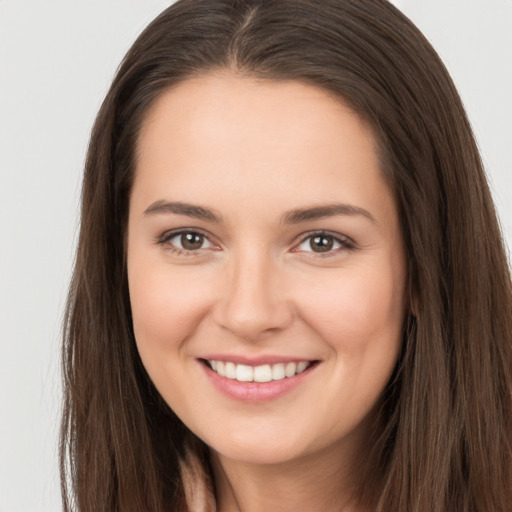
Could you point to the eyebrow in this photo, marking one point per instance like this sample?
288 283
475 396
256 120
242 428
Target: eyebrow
321 212
292 217
190 210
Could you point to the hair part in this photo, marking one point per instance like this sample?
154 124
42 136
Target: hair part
443 434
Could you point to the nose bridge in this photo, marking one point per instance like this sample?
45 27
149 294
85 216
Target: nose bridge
254 301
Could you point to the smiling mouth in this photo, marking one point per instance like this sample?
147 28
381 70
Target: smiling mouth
262 373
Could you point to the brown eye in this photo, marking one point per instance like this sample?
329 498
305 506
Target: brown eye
191 241
186 241
322 243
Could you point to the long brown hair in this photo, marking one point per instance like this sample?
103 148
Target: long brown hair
443 442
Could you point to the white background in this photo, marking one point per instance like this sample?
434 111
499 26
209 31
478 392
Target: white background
57 58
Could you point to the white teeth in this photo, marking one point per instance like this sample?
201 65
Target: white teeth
221 368
263 373
230 370
301 366
244 373
278 371
290 369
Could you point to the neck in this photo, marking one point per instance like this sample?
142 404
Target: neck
321 482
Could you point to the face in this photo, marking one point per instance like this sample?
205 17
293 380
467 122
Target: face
265 266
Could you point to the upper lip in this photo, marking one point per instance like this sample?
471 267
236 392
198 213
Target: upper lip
255 361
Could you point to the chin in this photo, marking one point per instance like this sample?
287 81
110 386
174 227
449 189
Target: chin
259 447
257 454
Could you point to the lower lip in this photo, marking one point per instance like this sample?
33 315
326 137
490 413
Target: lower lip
256 391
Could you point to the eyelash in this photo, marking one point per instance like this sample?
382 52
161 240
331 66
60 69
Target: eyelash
345 243
164 241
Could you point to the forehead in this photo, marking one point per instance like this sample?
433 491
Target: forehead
227 134
231 89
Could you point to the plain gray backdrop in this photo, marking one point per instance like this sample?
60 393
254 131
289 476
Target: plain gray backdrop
57 58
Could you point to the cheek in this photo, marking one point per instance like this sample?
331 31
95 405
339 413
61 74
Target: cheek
357 308
359 315
165 307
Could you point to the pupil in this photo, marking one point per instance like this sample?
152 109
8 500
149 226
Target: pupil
191 241
322 243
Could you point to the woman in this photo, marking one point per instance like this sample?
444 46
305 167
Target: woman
290 290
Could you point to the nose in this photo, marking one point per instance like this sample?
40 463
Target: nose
253 301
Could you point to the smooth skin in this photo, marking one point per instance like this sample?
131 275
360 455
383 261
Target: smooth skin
247 275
